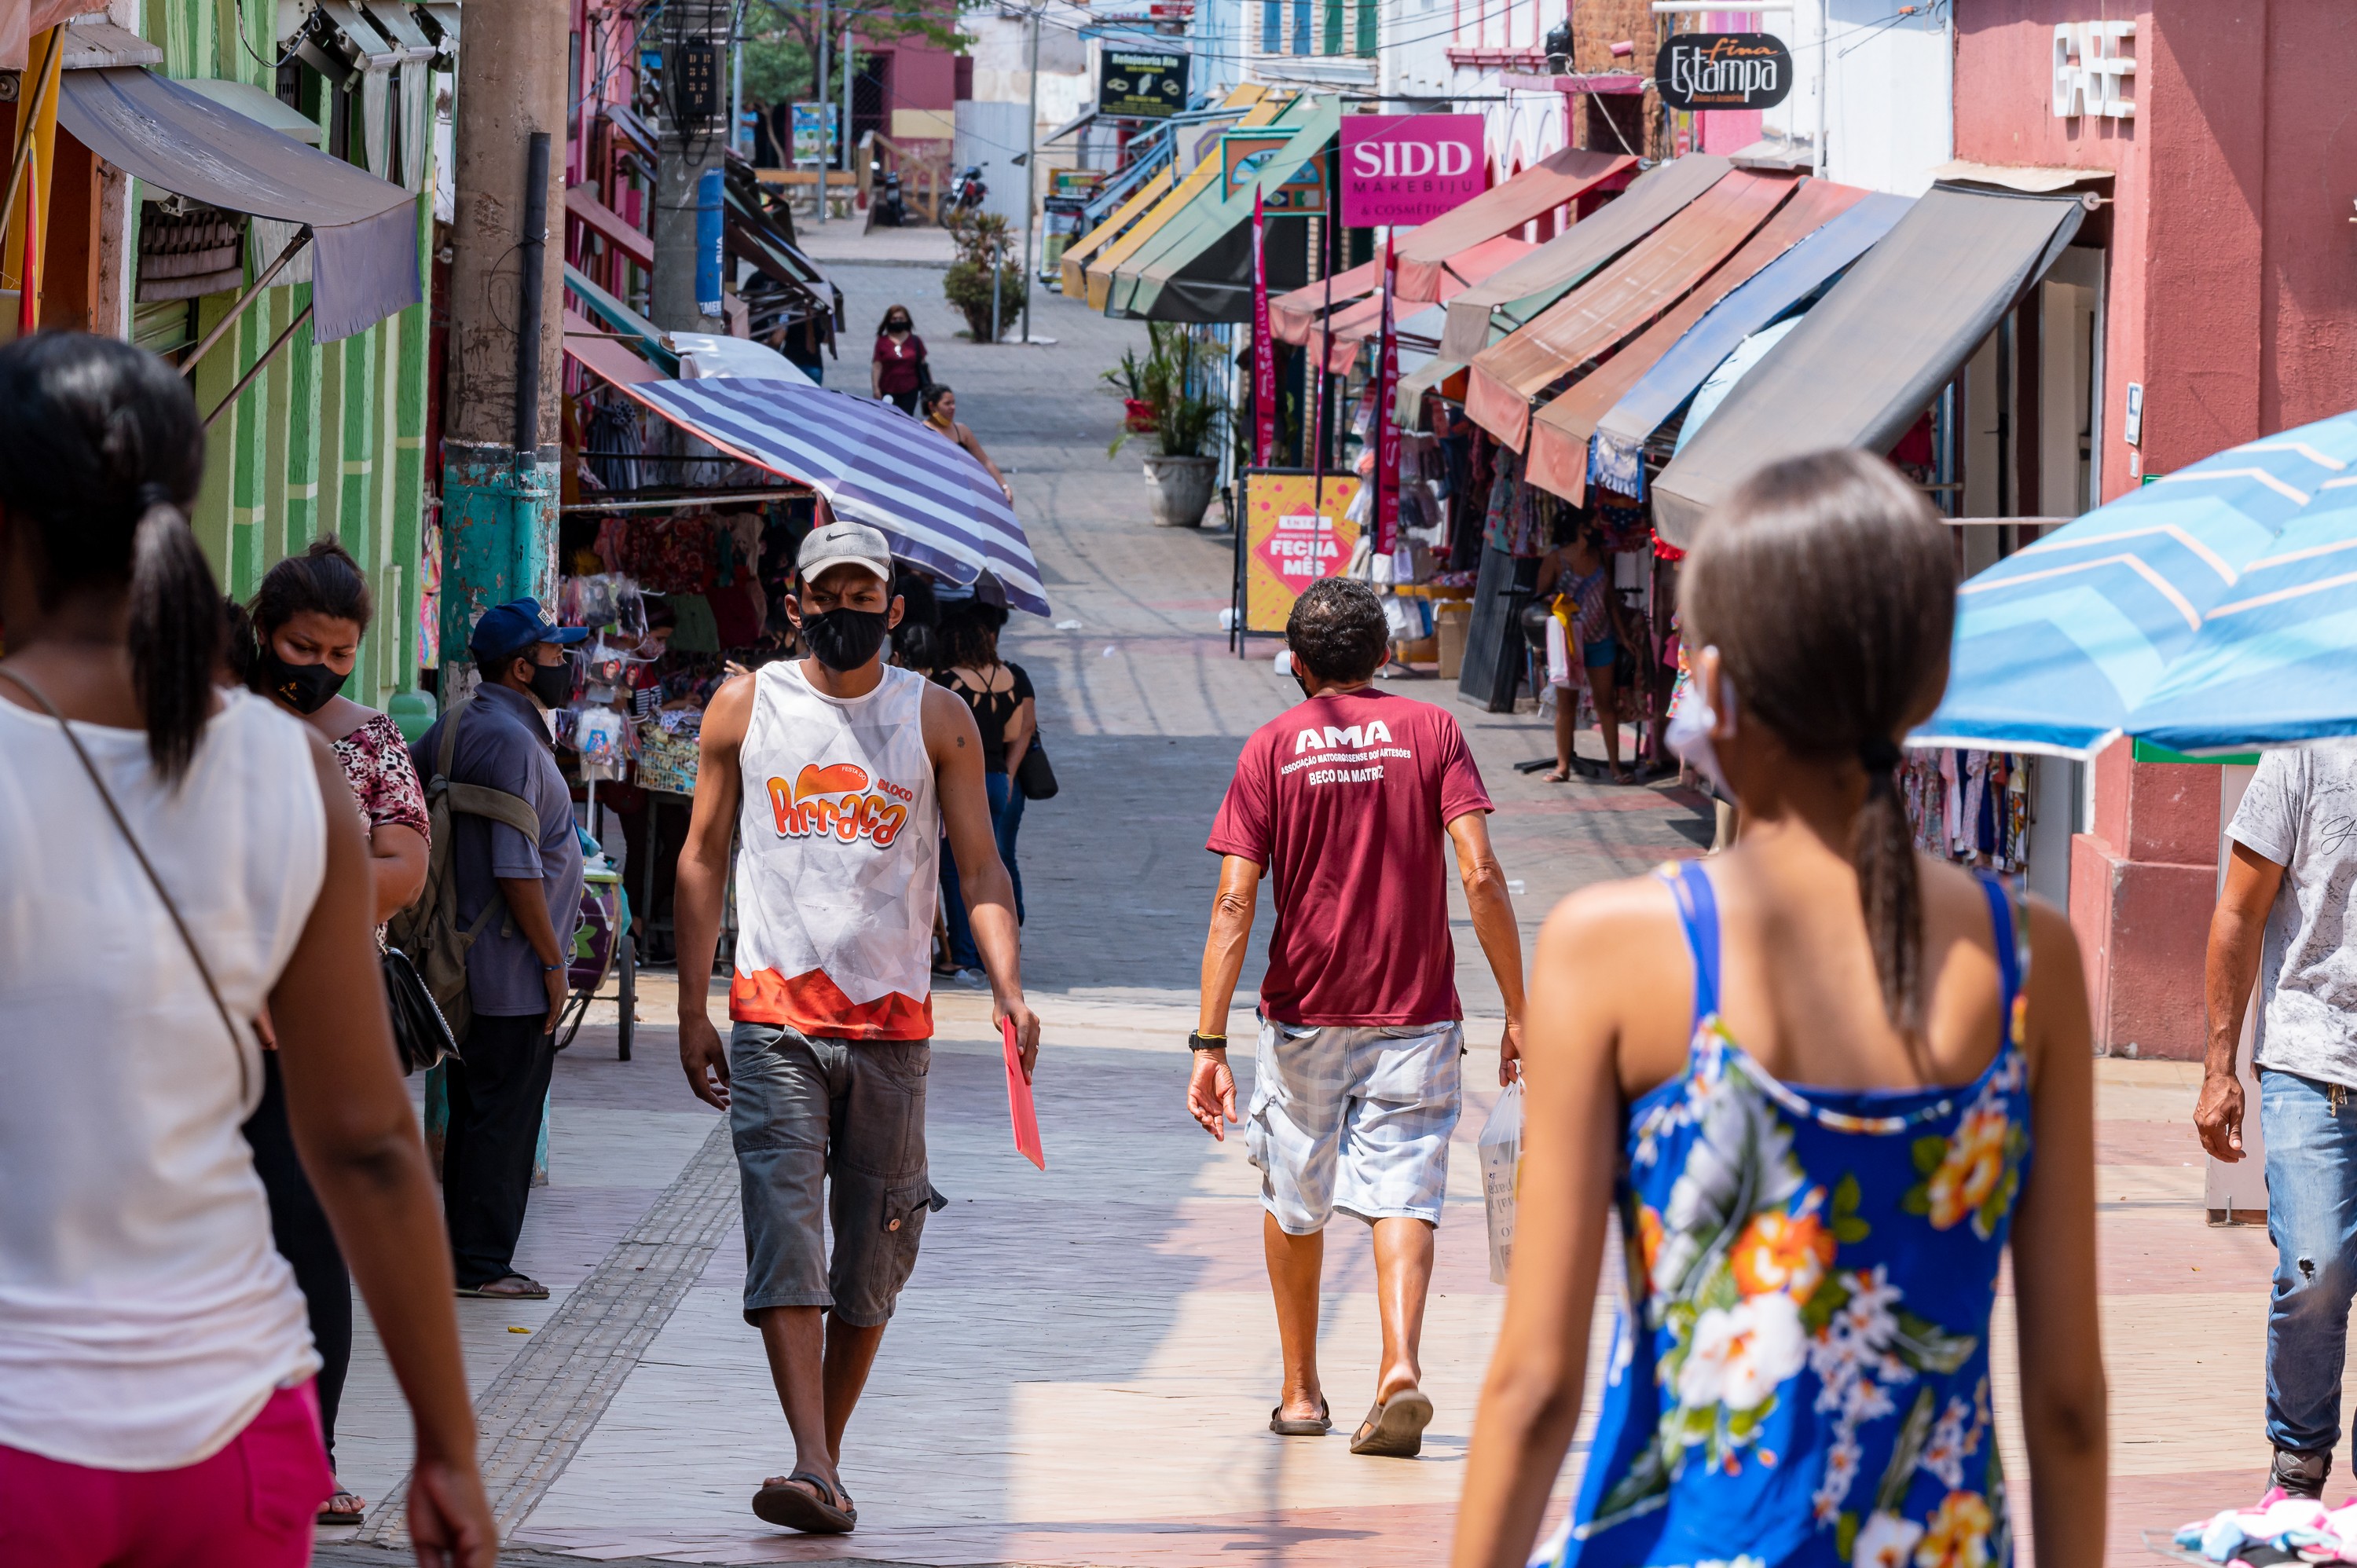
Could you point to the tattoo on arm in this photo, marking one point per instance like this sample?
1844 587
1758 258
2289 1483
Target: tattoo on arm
961 740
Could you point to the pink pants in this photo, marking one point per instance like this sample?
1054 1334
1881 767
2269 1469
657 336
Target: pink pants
249 1506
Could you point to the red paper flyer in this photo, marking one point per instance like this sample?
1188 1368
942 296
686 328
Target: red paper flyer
1018 1100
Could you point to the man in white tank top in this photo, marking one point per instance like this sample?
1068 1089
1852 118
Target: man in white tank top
838 776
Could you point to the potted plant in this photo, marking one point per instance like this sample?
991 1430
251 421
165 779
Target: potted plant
989 296
1172 394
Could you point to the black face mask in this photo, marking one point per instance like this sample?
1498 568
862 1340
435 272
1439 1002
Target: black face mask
306 688
845 639
553 683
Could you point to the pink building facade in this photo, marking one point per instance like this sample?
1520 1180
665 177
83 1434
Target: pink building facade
2229 298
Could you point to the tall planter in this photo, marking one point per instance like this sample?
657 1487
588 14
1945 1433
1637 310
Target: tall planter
1182 490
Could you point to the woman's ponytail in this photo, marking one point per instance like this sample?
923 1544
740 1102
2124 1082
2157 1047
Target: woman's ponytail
1828 586
176 630
1883 849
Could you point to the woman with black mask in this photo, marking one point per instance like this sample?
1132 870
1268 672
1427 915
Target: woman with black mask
309 619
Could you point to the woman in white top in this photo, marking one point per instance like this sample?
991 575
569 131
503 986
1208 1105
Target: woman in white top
178 858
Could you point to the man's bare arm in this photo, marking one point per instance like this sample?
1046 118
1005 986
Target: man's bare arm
703 884
956 746
1211 1086
1493 923
2229 969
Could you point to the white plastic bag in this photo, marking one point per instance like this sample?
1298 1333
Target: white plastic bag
1501 1144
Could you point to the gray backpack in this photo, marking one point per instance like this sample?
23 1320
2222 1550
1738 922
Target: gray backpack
428 930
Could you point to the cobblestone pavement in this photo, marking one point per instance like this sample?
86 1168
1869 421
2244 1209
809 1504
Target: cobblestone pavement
1079 1370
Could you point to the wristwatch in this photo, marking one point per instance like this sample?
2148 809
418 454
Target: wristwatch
1201 1042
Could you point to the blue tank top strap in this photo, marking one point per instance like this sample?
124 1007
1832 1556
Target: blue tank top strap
1699 913
2009 929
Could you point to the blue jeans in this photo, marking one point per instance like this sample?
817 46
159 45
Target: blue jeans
2312 1133
1006 818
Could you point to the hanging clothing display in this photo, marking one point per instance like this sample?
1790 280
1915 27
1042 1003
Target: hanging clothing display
1969 806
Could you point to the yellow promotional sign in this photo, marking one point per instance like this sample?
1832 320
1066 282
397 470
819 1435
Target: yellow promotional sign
1289 543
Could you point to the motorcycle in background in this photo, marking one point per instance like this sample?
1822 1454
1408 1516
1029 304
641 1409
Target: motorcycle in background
967 191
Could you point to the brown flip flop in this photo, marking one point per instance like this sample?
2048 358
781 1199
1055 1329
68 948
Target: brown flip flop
788 1506
1394 1427
1317 1428
507 1287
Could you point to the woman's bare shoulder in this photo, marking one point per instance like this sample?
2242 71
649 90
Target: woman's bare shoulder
1607 916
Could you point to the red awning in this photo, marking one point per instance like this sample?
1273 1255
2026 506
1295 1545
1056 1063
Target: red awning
1353 325
1560 432
603 353
1425 253
1292 315
1617 301
581 201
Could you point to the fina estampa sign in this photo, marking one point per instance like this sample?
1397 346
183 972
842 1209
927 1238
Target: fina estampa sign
1723 70
1408 168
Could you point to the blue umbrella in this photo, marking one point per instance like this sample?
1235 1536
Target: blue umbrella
2213 610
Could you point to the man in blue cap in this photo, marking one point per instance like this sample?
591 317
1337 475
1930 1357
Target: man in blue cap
516 969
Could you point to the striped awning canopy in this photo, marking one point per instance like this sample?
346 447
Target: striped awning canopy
874 465
2211 611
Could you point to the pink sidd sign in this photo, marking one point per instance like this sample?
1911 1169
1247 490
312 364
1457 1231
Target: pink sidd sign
1408 168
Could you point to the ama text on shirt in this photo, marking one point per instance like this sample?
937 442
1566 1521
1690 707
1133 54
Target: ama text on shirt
1342 754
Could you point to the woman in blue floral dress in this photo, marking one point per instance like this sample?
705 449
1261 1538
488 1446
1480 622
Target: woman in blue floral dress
1823 1083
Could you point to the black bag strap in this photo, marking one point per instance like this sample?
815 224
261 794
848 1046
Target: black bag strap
196 956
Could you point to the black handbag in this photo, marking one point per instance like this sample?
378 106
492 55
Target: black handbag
420 1034
1035 776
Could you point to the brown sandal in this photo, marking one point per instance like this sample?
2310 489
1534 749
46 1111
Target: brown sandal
1285 1428
1394 1427
826 1511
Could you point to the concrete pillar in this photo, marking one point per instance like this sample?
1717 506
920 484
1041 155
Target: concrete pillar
2143 880
691 142
498 503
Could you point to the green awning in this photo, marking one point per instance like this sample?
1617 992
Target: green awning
1199 268
617 317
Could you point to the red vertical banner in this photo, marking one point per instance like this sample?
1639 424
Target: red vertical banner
1264 347
1387 450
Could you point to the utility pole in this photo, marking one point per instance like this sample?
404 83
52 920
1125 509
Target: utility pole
499 451
819 98
1031 166
690 145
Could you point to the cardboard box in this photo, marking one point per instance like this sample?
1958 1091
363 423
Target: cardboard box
1450 619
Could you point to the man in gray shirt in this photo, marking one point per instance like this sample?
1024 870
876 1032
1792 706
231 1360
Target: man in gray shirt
2283 918
516 980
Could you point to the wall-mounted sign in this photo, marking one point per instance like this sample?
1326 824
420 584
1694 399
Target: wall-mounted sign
1244 153
1408 168
813 133
2090 73
1141 84
2135 422
1723 70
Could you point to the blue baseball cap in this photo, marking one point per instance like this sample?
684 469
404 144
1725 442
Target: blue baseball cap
508 629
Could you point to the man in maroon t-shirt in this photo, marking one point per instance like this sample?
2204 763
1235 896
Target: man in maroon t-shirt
1345 800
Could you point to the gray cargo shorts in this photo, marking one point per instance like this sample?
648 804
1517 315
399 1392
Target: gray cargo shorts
802 1111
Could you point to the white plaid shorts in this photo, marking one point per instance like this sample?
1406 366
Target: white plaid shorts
1355 1118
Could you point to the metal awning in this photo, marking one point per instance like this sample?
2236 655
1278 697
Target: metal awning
1559 432
1080 121
581 203
1075 261
619 317
596 350
1539 279
1293 315
1617 301
364 228
1560 176
250 101
1201 183
1414 323
937 505
1616 452
96 45
1863 364
1201 269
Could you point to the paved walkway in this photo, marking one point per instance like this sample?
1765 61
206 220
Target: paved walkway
1080 1367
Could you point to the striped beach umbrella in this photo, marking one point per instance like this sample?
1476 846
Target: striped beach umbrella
2213 610
927 495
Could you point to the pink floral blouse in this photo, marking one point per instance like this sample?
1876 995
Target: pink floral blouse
384 783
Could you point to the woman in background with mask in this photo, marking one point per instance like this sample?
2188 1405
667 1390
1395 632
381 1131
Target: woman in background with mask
309 619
